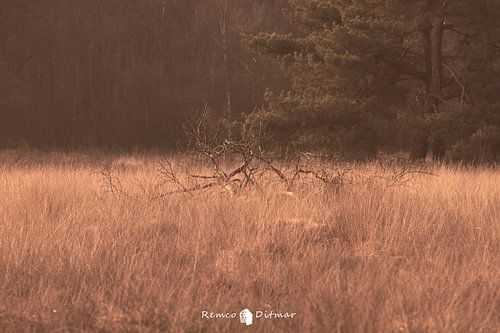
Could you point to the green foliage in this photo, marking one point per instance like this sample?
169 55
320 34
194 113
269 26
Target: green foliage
365 71
482 146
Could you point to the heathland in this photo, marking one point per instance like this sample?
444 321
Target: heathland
385 251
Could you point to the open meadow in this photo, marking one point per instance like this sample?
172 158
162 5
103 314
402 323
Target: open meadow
418 252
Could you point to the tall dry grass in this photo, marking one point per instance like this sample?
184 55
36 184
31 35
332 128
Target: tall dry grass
423 257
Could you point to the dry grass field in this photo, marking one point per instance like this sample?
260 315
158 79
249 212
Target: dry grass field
419 256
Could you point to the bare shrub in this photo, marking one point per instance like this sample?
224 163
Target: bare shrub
233 161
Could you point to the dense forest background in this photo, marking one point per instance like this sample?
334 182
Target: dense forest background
122 73
355 78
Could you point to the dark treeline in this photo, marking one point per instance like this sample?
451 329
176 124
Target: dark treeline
351 77
421 76
122 73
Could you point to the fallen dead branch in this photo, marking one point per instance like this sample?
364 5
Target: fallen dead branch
239 163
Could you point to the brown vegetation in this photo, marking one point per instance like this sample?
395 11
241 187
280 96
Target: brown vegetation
410 256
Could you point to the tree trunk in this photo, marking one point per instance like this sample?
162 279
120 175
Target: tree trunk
436 60
433 56
223 32
438 147
419 144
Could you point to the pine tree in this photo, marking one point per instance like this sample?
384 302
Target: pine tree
363 67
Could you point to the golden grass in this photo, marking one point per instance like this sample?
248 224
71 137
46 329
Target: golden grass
417 258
